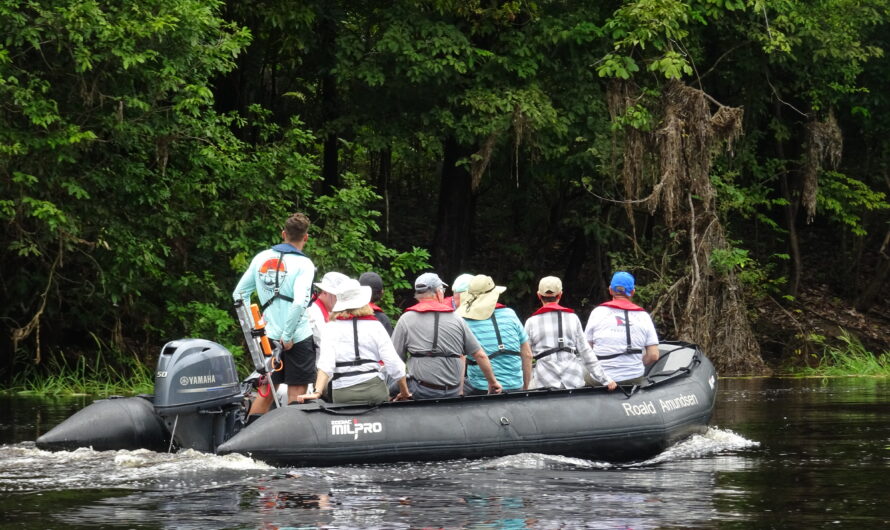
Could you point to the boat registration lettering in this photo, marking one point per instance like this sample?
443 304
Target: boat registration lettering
354 427
680 402
642 409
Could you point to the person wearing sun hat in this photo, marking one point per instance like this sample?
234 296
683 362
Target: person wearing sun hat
558 344
319 310
501 334
622 334
435 344
458 287
355 351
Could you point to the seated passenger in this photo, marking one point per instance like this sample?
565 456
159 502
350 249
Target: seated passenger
460 286
499 331
375 282
435 343
355 348
622 334
557 339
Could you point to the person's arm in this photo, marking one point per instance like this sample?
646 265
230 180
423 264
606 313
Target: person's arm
400 338
321 381
403 394
302 290
485 365
525 351
651 354
590 360
326 364
246 285
386 352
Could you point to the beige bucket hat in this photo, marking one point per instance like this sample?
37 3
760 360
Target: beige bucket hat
481 297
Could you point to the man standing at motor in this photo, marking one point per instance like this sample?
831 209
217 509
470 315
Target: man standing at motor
622 334
282 278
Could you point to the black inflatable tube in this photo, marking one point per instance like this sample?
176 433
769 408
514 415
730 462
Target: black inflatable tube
110 424
586 423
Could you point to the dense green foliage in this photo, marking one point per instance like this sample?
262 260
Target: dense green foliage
149 149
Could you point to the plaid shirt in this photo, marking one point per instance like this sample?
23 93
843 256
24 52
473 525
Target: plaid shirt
561 369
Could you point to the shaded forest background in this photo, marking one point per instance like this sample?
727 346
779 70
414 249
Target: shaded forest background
733 154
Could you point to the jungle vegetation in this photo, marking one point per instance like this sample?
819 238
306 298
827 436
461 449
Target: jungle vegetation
730 153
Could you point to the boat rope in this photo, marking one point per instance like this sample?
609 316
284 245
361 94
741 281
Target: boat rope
173 433
261 384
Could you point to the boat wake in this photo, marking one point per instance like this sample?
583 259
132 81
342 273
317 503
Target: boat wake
714 441
23 467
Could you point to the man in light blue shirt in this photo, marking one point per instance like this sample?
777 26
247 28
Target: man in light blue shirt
282 278
501 334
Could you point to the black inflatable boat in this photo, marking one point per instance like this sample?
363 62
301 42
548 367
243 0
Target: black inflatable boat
201 407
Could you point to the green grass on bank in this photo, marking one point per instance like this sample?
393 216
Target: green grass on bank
62 377
848 357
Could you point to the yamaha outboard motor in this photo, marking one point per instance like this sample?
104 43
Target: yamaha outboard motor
197 393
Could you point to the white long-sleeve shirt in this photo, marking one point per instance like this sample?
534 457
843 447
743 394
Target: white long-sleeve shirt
337 345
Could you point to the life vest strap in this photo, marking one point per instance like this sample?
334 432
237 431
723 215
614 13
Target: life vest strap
498 353
560 340
628 350
358 361
501 348
338 375
355 363
433 353
551 351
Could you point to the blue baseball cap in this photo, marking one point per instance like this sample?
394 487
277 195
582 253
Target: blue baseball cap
622 283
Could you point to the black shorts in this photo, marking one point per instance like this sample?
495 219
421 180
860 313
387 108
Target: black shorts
299 364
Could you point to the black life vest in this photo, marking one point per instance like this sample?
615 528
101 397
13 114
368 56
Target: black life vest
560 341
358 361
502 350
435 308
282 248
626 306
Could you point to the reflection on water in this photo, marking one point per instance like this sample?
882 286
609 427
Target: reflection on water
803 453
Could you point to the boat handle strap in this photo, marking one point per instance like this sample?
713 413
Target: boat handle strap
350 412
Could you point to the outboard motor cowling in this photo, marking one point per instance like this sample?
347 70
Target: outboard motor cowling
197 393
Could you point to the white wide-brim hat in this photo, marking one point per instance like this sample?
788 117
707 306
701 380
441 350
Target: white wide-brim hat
331 282
352 295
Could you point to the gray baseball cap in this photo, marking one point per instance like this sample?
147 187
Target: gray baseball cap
428 281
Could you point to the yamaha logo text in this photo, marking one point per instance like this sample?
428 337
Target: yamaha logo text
187 380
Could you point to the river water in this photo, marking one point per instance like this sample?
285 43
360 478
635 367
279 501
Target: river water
780 453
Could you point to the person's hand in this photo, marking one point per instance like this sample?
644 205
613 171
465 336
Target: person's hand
611 385
403 397
287 345
495 388
302 398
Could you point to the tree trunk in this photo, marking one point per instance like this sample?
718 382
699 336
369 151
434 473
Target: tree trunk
874 288
384 174
330 111
454 220
790 213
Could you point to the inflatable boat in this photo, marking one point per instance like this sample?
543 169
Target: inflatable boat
200 405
